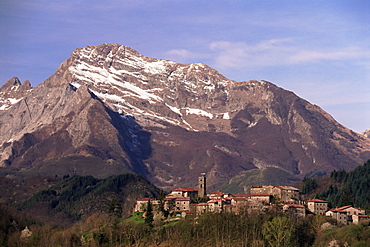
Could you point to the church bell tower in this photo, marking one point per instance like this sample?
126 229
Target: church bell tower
202 185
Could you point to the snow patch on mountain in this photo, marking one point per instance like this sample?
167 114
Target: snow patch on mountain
157 67
198 112
9 102
14 101
226 115
98 76
121 77
109 97
174 109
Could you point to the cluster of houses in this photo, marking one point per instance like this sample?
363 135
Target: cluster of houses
261 198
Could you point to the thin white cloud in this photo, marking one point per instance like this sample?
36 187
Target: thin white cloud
265 53
343 54
229 54
276 52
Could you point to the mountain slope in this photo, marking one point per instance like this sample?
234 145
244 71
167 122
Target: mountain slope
169 122
12 92
82 196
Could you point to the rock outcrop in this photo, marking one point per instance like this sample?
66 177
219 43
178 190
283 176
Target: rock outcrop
367 133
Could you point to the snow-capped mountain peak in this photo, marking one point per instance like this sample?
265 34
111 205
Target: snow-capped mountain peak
108 109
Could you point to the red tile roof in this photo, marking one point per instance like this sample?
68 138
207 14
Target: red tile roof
218 192
182 199
216 200
288 188
345 207
316 200
202 204
145 199
240 195
240 199
349 206
338 210
185 189
295 206
260 195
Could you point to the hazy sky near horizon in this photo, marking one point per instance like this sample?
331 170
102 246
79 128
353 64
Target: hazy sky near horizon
318 49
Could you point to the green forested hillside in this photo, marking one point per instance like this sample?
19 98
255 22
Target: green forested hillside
79 196
342 188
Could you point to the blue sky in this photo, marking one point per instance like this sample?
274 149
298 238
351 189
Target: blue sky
318 49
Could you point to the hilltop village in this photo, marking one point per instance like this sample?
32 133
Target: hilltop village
184 201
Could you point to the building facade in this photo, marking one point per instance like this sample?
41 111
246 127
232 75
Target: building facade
184 192
317 206
295 210
339 215
286 194
359 218
352 211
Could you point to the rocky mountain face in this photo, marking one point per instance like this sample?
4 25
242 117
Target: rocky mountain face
367 133
12 92
108 109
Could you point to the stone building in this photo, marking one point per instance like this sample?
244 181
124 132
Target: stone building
202 189
317 206
339 215
359 218
142 204
216 205
352 211
184 192
217 195
263 198
287 194
295 210
202 208
182 204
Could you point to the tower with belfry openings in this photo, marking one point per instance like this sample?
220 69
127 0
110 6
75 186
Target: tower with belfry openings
202 185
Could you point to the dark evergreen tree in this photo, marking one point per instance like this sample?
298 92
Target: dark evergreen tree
339 176
161 198
115 208
149 217
309 184
354 188
345 198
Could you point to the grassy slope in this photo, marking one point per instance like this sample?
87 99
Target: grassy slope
264 176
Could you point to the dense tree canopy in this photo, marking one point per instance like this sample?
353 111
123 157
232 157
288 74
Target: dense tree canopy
354 188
